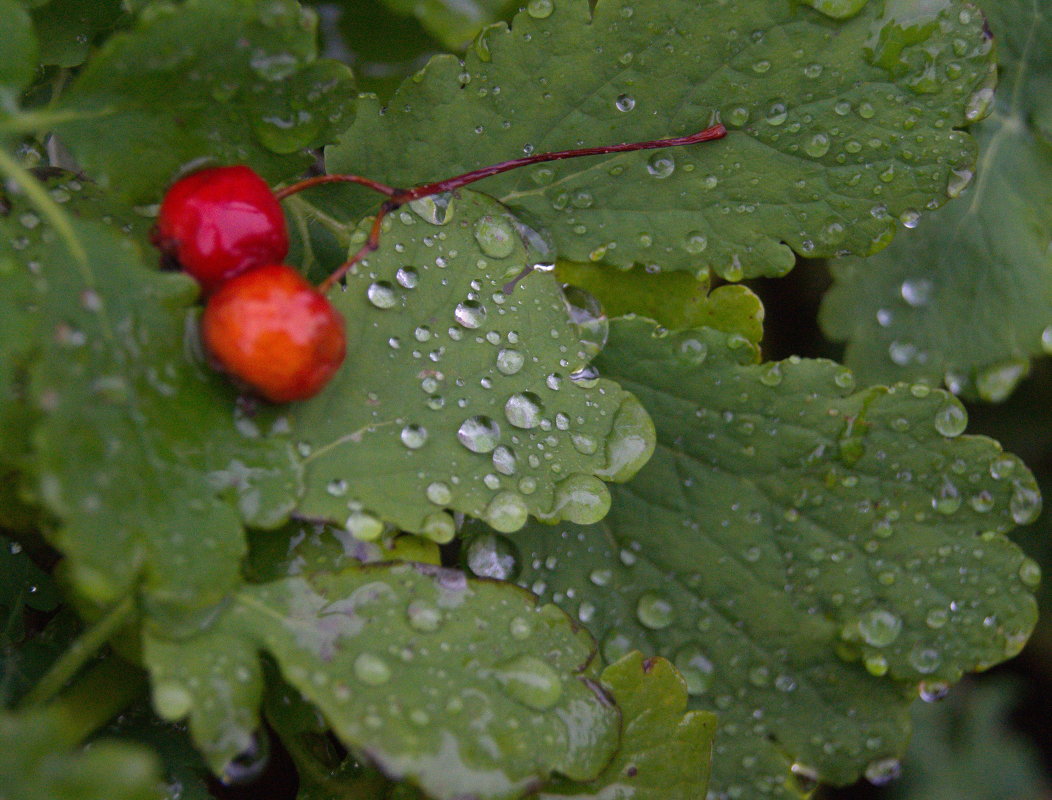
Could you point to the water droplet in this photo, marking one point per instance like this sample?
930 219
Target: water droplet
910 218
520 628
615 645
979 104
581 499
439 493
479 434
777 113
172 700
997 382
879 627
692 350
424 617
625 102
530 681
661 165
947 498
951 420
630 442
916 291
883 771
506 512
524 410
817 146
695 243
495 237
510 361
1030 573
654 611
493 556
470 313
866 110
364 526
437 209
1025 505
382 294
439 527
414 436
540 9
589 321
695 667
371 669
925 659
407 277
601 577
933 691
960 179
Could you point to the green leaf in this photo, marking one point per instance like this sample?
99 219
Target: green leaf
18 54
796 548
466 688
231 80
456 23
932 306
675 299
838 128
460 392
137 448
37 762
66 28
665 749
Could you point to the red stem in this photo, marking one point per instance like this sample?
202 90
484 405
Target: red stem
399 197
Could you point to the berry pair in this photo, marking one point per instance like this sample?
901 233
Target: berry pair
263 323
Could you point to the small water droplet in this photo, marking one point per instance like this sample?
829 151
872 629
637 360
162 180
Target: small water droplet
424 617
661 165
695 667
540 9
510 361
654 611
479 434
493 556
364 526
407 277
879 627
414 436
506 512
625 102
495 237
530 681
371 669
382 294
951 420
883 771
524 410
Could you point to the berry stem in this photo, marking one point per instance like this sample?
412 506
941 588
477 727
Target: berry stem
399 197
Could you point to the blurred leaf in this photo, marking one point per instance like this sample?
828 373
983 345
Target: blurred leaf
964 746
665 749
142 491
837 127
456 23
805 554
675 299
38 763
67 28
18 52
458 393
465 688
235 81
967 298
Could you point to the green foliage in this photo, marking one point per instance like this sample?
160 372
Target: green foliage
797 547
459 391
458 686
190 81
547 379
931 306
837 128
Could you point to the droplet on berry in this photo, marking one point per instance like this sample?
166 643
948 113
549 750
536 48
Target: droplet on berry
219 222
275 332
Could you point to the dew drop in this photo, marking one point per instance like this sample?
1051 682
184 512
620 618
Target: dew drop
479 434
916 291
423 617
625 102
530 681
407 277
925 659
695 667
510 361
382 294
581 499
371 669
495 237
817 146
506 512
695 242
654 611
524 410
951 420
470 313
505 460
883 771
661 165
414 436
364 526
879 627
493 556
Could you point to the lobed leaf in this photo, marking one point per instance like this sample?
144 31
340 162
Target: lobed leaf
465 688
453 22
931 307
805 554
837 127
189 81
665 750
136 447
460 392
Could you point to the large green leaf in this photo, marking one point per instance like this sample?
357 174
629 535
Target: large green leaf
932 307
665 753
455 23
38 762
838 128
18 54
460 392
137 448
230 80
804 553
66 28
466 688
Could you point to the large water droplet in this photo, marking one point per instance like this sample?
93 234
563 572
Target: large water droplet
625 102
371 669
470 313
493 556
879 627
510 361
530 681
504 460
582 499
364 526
382 294
661 165
479 434
590 322
437 209
423 616
951 420
495 236
414 436
506 512
524 410
654 611
439 493
916 291
695 667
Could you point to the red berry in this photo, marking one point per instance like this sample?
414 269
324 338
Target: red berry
275 332
220 222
